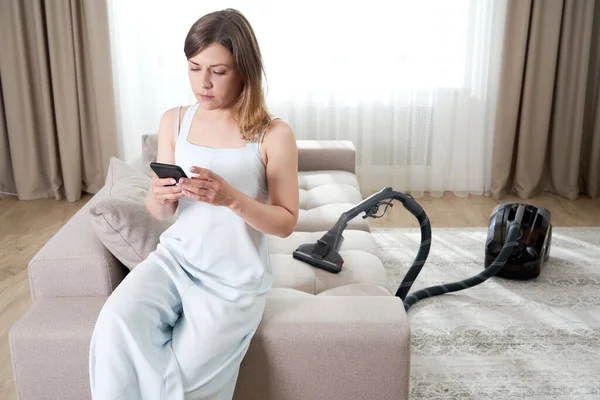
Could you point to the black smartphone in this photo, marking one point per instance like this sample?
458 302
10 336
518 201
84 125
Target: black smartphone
168 171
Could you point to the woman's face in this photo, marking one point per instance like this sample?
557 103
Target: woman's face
215 80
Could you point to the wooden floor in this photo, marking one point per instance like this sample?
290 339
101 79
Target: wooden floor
24 228
26 225
474 211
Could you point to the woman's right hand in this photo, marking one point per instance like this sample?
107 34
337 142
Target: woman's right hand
163 192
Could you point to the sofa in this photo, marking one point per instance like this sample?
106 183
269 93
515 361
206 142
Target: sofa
323 335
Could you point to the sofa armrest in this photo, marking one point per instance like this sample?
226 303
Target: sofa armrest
329 347
319 155
149 150
74 262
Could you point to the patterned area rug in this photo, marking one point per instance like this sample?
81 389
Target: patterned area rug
502 339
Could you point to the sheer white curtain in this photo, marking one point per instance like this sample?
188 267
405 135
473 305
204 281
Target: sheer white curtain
412 83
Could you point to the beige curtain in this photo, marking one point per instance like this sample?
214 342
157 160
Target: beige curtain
547 129
57 122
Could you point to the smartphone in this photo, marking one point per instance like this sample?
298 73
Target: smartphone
168 171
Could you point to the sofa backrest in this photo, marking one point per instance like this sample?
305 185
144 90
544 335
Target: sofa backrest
313 155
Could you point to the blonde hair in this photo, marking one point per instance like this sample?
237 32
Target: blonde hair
231 29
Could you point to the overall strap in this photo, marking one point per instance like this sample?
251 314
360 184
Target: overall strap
176 132
262 134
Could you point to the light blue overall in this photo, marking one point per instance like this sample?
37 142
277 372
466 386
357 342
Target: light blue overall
180 323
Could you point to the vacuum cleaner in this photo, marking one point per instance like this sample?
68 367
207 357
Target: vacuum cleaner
517 245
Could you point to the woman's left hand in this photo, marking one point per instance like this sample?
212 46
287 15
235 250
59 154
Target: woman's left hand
207 187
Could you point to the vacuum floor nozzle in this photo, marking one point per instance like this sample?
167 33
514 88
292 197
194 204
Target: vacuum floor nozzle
303 253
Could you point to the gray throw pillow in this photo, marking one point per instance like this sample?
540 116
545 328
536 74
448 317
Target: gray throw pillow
121 220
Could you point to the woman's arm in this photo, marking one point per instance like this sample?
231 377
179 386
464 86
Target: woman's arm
280 216
165 154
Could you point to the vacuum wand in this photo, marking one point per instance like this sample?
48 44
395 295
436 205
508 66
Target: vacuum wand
324 253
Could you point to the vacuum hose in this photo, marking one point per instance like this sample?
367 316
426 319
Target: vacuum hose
324 254
509 243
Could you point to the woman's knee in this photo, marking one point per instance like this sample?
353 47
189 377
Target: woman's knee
126 304
117 314
138 317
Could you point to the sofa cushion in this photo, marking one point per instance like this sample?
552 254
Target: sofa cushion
287 292
357 289
361 264
344 347
351 289
121 219
324 196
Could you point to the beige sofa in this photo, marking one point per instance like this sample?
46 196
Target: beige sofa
323 335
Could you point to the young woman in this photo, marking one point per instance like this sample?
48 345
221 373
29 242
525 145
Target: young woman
180 323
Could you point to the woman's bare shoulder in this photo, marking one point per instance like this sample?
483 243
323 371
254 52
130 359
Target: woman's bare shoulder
279 136
278 127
